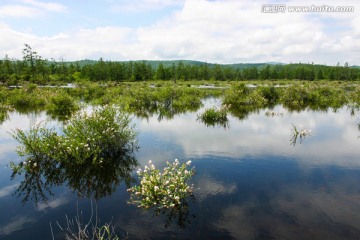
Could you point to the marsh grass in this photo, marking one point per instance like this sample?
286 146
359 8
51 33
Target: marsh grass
166 99
298 134
91 229
214 116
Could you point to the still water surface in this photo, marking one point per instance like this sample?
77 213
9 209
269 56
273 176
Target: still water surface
251 181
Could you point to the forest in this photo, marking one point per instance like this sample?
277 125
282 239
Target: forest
34 69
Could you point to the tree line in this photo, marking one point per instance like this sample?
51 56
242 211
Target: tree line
33 68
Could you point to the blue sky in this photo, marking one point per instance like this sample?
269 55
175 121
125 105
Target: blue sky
218 31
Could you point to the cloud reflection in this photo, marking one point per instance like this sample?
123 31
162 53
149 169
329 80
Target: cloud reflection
15 224
53 203
8 190
206 187
334 137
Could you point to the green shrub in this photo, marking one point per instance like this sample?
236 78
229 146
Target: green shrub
92 155
61 106
214 116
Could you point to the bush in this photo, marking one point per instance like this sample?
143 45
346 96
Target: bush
162 190
61 106
93 154
214 116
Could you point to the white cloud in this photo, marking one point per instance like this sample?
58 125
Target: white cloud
48 6
30 9
213 31
18 11
142 5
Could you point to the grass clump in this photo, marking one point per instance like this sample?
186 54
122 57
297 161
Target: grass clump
214 116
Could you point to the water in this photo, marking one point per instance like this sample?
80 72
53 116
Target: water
251 181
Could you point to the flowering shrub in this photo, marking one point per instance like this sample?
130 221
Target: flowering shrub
162 190
92 154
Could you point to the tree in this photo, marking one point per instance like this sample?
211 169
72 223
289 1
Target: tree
29 57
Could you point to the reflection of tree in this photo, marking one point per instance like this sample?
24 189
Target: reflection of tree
98 179
242 112
165 109
179 214
3 114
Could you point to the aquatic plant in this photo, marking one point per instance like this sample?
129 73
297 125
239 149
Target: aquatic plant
77 229
93 154
61 106
162 190
214 116
298 133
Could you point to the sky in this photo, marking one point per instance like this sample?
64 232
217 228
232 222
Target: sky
214 31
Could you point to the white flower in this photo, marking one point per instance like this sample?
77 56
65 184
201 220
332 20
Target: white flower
150 162
156 188
188 162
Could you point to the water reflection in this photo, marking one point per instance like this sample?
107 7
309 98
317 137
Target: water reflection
166 109
86 180
3 114
180 215
251 183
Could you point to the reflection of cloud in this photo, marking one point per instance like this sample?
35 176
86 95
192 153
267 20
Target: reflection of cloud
52 204
235 221
15 224
298 211
207 187
145 226
5 191
332 135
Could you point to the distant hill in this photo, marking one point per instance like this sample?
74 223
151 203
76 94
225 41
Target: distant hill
168 63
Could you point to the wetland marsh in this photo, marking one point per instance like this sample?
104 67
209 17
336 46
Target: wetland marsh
255 177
